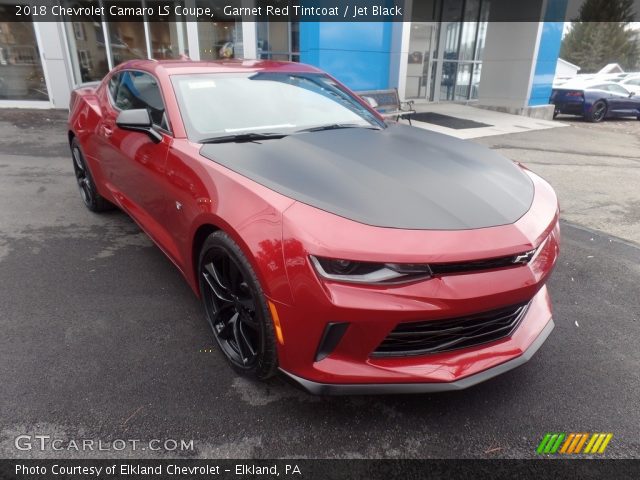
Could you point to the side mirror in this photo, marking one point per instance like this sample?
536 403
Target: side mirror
632 94
138 120
371 101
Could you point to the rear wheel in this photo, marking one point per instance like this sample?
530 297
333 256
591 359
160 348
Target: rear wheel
88 192
598 112
236 308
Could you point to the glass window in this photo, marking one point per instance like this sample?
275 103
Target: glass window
448 80
618 89
452 10
421 64
21 74
220 40
482 28
86 44
141 90
166 35
451 40
469 30
475 80
127 39
279 41
224 104
463 81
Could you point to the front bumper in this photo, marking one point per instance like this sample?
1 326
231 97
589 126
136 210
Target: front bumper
317 388
372 312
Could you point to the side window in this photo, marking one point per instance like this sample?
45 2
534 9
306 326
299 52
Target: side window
618 89
635 81
140 90
113 86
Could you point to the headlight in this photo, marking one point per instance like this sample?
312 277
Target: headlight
368 272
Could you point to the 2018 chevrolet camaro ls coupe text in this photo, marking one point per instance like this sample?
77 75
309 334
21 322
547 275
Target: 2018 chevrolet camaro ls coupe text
350 254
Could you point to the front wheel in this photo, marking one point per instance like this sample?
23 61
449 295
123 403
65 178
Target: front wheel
236 308
598 112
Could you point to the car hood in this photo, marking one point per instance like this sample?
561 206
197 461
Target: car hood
399 177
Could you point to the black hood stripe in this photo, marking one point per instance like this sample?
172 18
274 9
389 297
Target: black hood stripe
400 177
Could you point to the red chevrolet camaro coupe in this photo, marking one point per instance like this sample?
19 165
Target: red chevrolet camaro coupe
350 254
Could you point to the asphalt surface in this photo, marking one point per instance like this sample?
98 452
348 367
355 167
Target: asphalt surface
594 167
102 339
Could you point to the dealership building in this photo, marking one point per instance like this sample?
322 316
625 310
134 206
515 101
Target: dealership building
469 54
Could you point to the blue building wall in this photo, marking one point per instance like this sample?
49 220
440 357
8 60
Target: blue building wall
357 54
548 53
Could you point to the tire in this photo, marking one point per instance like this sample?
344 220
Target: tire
555 113
598 112
88 191
236 308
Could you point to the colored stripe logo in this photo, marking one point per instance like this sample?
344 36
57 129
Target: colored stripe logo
574 443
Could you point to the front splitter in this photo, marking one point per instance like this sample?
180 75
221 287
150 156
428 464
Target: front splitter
317 388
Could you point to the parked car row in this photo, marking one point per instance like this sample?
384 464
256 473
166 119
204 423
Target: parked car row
597 98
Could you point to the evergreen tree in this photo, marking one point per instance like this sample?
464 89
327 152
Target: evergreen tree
601 35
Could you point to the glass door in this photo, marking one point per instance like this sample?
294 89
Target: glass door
422 62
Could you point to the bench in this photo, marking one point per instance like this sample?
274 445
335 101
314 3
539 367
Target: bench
388 103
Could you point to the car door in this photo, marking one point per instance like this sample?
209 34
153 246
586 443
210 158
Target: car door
627 100
619 101
634 87
135 162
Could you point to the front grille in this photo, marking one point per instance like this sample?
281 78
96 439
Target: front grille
437 336
487 264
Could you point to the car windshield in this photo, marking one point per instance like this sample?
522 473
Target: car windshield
223 105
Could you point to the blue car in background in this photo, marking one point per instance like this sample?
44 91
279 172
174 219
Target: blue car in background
596 101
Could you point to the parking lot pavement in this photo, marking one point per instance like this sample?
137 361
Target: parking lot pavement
102 339
594 167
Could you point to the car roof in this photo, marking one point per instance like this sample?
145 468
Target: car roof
585 84
181 67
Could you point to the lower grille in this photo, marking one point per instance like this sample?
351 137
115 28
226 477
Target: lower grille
437 336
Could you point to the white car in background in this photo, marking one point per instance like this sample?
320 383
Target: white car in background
631 82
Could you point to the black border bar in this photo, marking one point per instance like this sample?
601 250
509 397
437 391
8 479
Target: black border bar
324 469
294 10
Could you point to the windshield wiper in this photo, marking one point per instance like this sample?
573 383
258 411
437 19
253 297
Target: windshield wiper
336 126
243 137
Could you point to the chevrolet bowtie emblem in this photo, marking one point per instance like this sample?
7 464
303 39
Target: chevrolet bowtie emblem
524 257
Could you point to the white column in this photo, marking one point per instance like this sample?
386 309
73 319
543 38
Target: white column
399 56
508 64
54 67
180 33
192 33
249 40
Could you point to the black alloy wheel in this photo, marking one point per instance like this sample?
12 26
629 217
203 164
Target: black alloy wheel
235 308
88 192
598 111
